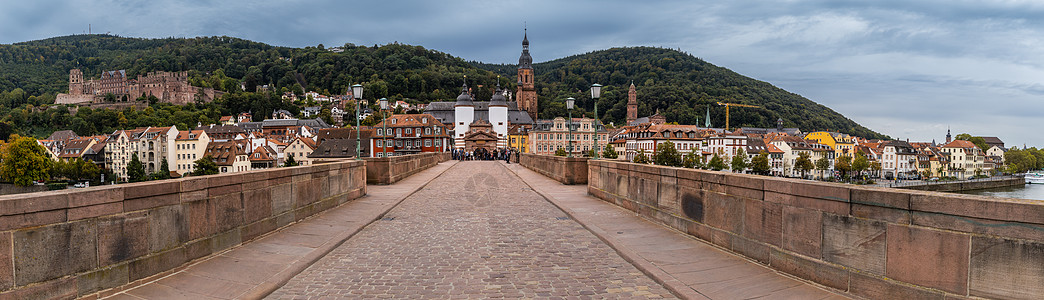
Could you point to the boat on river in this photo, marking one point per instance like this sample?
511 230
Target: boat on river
1035 177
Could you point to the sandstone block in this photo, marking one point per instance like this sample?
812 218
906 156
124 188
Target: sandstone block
803 231
167 228
156 263
815 271
877 288
1006 269
855 243
122 238
763 221
927 257
49 252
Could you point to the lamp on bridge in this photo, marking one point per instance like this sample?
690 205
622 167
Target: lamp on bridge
357 91
569 106
596 92
384 122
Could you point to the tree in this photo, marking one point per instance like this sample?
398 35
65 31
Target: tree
640 158
560 152
290 162
24 161
163 173
843 164
609 152
135 169
205 166
691 160
822 164
860 164
875 166
760 164
804 163
86 170
740 161
667 155
716 163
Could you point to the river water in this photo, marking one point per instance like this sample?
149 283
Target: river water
1029 191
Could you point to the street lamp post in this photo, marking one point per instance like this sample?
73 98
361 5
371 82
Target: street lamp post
384 123
596 92
357 91
569 140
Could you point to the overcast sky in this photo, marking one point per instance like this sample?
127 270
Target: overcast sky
905 68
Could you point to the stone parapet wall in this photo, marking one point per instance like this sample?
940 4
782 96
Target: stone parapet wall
567 170
878 243
77 242
967 185
388 170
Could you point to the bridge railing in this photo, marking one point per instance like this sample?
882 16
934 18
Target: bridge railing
388 170
567 170
874 242
74 243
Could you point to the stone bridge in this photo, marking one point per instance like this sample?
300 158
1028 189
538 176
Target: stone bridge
548 228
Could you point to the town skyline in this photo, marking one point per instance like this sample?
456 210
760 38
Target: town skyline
907 70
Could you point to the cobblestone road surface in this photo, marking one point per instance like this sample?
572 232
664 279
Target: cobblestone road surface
476 231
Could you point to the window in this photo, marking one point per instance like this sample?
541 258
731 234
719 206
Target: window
380 154
424 120
398 143
380 143
427 130
380 131
438 143
427 143
409 130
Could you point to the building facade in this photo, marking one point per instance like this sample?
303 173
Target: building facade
189 146
409 134
547 136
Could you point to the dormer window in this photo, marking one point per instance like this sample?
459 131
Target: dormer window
393 121
424 120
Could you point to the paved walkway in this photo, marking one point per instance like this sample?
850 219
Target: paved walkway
254 269
690 268
477 231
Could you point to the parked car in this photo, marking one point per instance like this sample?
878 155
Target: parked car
82 184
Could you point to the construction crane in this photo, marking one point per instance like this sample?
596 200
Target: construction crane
727 105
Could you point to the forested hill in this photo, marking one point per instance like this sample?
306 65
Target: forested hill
679 85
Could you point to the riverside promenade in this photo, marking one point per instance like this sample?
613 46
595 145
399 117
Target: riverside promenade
476 229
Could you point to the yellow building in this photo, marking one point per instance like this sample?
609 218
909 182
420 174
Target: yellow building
518 139
840 142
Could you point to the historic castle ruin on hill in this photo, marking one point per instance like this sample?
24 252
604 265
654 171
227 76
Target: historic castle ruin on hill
170 87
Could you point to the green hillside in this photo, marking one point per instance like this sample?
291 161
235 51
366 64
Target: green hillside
678 85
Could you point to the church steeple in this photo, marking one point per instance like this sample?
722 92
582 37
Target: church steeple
632 104
525 61
526 94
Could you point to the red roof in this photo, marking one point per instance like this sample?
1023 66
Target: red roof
960 144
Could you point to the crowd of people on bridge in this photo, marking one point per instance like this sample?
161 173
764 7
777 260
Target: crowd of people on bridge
483 154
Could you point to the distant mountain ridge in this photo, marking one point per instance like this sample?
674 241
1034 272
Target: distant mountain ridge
680 86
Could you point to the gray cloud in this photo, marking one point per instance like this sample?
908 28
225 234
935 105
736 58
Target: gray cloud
907 69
